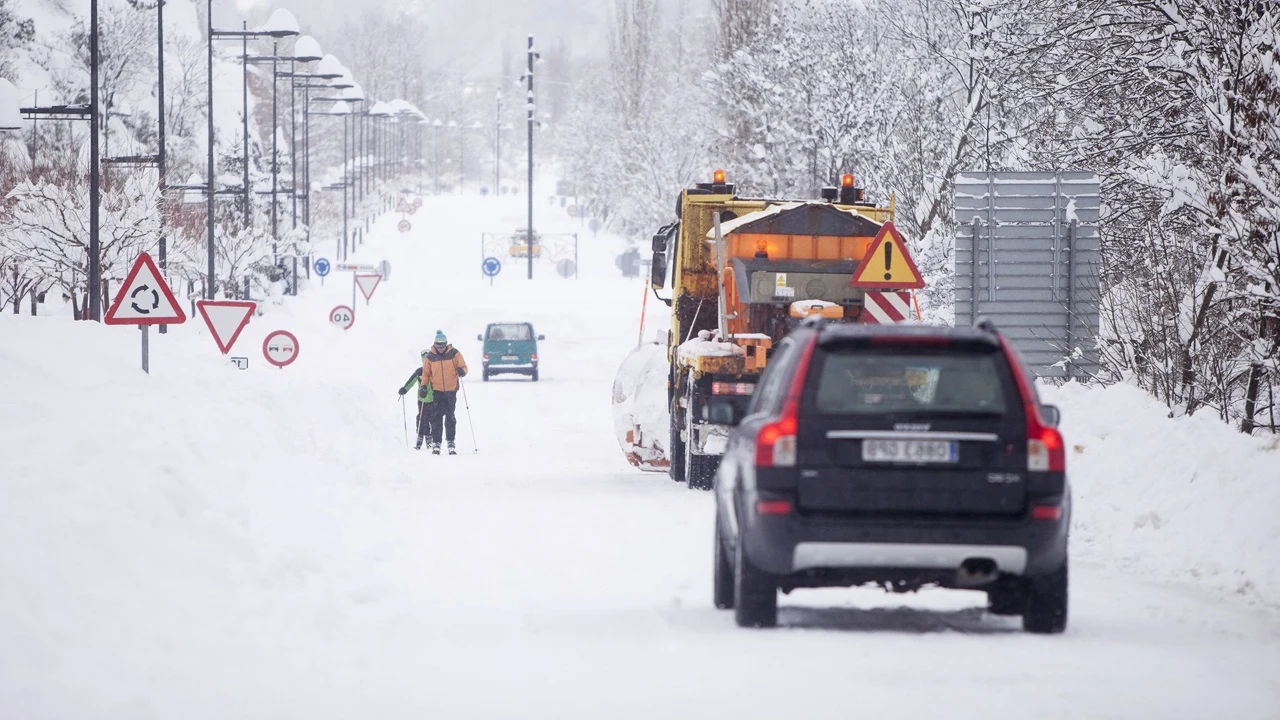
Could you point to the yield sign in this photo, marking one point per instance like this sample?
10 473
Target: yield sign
888 265
368 283
226 318
145 298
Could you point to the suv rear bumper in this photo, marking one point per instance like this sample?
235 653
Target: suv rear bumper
784 545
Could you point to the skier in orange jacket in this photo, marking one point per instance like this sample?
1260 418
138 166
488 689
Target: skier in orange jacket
444 367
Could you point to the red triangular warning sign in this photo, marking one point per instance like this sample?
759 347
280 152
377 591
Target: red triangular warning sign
888 264
145 298
226 318
367 284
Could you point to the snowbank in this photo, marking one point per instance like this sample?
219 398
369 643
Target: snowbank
640 416
1184 498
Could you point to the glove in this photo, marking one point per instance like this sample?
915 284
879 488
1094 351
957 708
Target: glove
402 392
462 373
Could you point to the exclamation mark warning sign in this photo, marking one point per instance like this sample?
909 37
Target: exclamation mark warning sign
887 264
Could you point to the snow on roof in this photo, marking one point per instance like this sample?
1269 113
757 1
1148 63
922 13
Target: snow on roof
307 49
329 65
774 210
281 22
734 224
10 106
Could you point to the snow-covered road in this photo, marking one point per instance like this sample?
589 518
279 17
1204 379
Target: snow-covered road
210 543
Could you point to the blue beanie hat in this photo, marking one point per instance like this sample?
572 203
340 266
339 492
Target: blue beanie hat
440 338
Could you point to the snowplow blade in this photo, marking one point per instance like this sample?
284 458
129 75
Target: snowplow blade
640 416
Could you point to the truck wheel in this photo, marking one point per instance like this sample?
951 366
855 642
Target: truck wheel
699 470
722 590
677 450
1046 609
755 592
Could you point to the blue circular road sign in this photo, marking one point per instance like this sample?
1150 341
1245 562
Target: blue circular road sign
491 266
322 267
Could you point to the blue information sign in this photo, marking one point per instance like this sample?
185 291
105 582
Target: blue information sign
322 267
491 266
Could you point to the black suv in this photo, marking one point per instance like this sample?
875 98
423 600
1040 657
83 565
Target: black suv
902 456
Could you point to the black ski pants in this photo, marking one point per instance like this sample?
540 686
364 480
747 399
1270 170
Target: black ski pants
425 413
445 404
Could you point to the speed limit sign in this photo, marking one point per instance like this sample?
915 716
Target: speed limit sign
342 316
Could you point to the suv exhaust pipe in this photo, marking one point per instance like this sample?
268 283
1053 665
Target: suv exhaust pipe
977 571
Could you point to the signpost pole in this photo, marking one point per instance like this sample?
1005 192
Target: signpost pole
146 348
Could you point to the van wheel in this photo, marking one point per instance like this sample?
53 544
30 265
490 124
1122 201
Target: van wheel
1046 609
535 376
755 592
486 376
722 591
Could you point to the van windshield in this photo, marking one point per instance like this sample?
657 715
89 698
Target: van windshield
515 331
862 381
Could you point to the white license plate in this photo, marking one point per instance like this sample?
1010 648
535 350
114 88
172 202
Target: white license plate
911 451
510 357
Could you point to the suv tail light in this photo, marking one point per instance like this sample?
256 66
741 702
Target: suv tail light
1045 450
776 441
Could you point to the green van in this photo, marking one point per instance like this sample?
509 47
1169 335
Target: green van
510 348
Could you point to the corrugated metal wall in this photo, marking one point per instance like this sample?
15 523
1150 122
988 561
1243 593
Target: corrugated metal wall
1035 239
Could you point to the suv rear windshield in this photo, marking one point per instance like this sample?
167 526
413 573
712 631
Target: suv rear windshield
510 332
875 381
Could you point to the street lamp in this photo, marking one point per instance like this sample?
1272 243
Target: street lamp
281 24
342 107
80 112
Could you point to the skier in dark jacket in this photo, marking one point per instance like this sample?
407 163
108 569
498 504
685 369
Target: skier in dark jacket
426 402
443 368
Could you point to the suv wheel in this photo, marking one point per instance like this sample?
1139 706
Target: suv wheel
1007 598
1046 608
722 592
755 592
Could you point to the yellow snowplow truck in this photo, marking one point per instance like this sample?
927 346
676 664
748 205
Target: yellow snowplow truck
739 274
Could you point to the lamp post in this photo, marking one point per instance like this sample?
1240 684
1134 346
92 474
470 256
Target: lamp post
78 112
306 50
533 55
342 107
281 24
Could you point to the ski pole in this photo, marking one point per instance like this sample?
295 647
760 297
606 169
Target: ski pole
405 415
467 405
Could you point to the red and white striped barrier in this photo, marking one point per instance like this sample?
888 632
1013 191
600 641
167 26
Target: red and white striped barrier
887 308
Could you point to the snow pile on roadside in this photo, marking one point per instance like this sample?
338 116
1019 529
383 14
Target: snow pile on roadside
149 520
1186 498
640 414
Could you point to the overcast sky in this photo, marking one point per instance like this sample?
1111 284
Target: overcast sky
472 33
